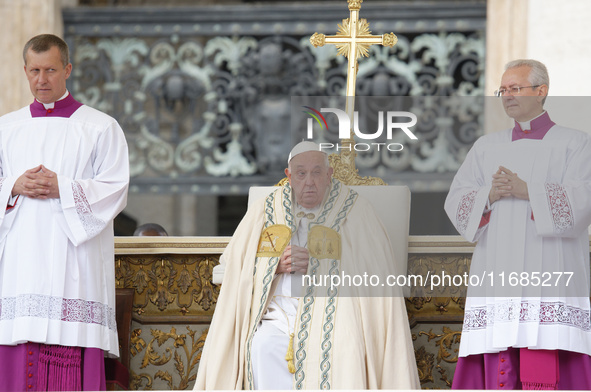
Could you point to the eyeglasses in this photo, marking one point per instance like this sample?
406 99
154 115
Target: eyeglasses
512 90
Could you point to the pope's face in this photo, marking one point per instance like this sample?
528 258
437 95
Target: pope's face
529 102
309 178
47 75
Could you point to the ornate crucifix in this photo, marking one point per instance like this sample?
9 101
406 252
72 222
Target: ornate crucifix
353 40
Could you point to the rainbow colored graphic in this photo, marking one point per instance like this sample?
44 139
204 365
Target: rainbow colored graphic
315 113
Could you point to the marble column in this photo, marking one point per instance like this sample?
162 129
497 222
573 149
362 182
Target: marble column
553 32
19 21
506 40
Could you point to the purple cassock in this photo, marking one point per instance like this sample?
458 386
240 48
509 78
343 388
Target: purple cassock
507 369
39 367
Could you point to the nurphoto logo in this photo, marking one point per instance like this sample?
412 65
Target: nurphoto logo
394 120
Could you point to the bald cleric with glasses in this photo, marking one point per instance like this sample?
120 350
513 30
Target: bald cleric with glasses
523 194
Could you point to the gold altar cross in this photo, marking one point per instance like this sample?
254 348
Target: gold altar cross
353 40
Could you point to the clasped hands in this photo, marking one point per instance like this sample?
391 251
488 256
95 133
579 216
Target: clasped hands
37 183
293 260
505 183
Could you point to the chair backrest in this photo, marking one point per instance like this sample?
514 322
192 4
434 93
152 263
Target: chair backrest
392 204
117 372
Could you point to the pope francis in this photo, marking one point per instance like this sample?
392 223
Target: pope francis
275 329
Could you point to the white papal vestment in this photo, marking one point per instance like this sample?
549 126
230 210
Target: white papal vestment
271 339
340 342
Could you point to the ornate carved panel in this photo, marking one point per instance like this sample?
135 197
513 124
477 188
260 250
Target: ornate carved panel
441 299
203 93
174 301
165 357
436 351
169 284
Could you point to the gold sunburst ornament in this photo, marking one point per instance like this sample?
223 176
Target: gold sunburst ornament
353 39
343 30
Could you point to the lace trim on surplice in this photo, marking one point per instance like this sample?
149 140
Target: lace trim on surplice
560 208
546 313
91 224
57 308
465 210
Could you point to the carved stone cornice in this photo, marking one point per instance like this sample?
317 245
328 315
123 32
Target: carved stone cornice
172 245
415 16
439 244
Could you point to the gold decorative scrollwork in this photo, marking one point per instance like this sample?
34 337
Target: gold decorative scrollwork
425 364
441 304
135 381
137 344
429 303
447 339
430 267
206 294
122 271
443 377
418 302
162 276
184 356
163 375
345 171
166 284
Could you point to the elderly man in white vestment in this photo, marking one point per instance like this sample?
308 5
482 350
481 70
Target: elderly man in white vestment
267 335
63 178
525 195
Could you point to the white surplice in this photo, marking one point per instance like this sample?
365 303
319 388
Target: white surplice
57 278
547 234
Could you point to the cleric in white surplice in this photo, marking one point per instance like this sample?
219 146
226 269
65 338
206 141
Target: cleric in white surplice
318 226
64 174
525 195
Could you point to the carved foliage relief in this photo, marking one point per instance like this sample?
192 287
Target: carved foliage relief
176 292
165 357
169 285
202 109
